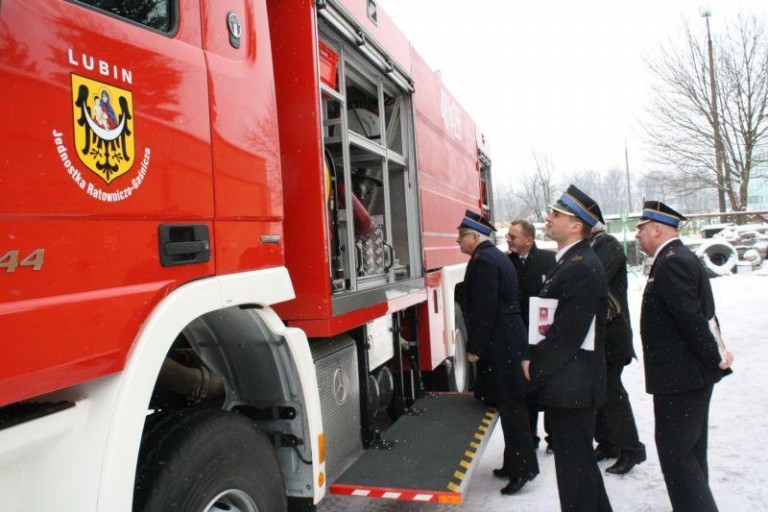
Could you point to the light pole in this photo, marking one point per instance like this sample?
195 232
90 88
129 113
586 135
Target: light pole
705 13
629 192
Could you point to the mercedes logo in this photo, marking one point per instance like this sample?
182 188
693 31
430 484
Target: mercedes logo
340 386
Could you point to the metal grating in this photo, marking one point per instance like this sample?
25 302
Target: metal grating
372 248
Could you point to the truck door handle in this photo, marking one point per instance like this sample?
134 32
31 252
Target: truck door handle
184 244
391 258
359 259
177 248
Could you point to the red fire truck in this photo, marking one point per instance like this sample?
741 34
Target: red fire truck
228 269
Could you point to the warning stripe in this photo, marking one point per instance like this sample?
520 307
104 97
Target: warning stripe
396 494
469 455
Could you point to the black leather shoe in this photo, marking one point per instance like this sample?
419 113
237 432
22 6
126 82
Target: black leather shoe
550 449
626 462
514 485
603 452
501 472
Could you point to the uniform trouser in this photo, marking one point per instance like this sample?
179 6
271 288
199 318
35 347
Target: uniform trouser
519 453
615 424
579 482
682 421
532 401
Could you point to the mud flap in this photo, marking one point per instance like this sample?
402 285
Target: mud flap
434 455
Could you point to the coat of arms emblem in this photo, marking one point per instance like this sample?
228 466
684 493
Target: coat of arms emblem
103 127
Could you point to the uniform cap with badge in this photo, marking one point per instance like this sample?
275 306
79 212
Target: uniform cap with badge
476 222
577 204
656 211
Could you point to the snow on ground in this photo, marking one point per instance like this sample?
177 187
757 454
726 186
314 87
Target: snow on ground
738 461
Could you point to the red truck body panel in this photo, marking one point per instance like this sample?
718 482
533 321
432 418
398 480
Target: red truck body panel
75 318
448 169
294 46
245 144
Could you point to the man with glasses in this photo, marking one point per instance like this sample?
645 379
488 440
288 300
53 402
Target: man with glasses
532 265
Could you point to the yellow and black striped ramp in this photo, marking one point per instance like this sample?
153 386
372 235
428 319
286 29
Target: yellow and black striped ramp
433 457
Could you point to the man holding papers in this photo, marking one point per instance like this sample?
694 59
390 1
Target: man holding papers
681 356
567 363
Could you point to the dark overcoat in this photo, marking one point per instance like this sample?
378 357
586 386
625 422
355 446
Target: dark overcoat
495 328
618 329
566 375
679 351
531 274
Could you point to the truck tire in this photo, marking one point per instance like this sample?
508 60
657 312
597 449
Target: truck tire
459 377
718 257
207 460
455 374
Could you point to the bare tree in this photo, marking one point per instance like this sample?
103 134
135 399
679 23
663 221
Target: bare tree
681 131
608 188
536 188
504 205
656 185
613 191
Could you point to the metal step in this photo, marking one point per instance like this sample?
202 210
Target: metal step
433 456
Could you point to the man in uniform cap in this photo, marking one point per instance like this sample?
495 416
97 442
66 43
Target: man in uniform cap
497 342
681 356
568 365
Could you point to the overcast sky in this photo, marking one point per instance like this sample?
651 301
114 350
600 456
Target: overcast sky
564 78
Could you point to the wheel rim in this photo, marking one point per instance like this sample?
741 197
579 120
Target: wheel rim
460 364
231 500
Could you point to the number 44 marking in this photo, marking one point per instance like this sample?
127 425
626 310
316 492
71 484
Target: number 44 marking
10 260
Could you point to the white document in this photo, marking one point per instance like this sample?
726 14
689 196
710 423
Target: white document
541 314
715 330
589 339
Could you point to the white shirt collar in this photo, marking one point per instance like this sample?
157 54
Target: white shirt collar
562 251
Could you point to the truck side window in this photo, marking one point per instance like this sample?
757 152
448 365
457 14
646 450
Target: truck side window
156 14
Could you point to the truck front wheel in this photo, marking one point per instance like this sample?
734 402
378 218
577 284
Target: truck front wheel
207 460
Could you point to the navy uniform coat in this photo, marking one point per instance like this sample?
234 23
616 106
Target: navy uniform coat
679 351
618 330
495 328
531 274
567 376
